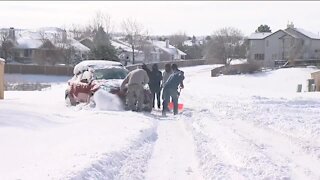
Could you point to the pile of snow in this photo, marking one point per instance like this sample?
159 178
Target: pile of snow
41 138
238 61
95 64
107 101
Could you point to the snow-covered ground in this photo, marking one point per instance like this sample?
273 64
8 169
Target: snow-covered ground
233 127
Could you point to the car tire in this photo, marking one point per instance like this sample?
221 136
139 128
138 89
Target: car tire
69 101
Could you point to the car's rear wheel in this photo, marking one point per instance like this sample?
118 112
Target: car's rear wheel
69 100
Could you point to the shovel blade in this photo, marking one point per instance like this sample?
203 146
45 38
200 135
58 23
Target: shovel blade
180 106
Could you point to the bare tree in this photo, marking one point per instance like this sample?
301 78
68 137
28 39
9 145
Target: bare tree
6 44
76 31
134 34
102 20
43 36
224 45
177 39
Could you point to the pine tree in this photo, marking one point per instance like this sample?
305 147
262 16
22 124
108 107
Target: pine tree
263 28
102 46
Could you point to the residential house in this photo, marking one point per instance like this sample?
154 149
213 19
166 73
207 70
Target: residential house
194 42
151 50
125 52
148 52
30 45
291 45
166 51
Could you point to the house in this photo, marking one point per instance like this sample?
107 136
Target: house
194 42
33 46
290 45
166 51
125 52
148 51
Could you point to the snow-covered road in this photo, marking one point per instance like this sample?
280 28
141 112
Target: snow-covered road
174 153
233 127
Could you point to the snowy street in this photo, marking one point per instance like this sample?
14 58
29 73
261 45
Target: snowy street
252 126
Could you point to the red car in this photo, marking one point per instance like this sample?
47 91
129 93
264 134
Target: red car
92 75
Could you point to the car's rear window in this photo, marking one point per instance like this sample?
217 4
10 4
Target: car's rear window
110 73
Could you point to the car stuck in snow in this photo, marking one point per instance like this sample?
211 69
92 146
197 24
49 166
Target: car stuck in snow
93 75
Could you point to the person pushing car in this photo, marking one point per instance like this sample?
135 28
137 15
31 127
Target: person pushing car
134 82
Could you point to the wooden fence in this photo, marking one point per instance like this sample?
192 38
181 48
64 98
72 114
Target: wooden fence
37 69
180 63
68 70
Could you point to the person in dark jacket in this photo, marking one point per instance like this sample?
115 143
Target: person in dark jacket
170 89
155 84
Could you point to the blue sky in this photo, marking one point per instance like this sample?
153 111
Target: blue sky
163 17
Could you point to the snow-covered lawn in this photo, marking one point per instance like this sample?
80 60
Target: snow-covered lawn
233 127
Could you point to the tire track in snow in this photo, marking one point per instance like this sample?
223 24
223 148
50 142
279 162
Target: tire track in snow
271 155
281 147
226 155
174 152
129 163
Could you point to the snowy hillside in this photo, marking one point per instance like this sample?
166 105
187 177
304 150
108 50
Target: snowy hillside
233 127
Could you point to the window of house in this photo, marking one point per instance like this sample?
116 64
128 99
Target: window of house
27 52
259 56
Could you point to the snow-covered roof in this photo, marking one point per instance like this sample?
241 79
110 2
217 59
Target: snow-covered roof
123 46
259 35
289 33
33 39
171 49
188 43
78 46
25 43
95 64
307 33
50 29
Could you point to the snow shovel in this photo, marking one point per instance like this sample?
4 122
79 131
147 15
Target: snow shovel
180 105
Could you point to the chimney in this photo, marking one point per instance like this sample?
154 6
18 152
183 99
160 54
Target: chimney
167 43
12 34
290 25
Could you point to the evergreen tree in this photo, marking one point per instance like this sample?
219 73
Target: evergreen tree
263 28
102 46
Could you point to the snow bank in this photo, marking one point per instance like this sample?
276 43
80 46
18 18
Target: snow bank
107 101
41 138
253 126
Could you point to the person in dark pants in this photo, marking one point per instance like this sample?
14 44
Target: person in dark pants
155 84
165 75
170 89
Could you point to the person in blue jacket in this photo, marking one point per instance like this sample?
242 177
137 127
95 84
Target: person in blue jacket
170 89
